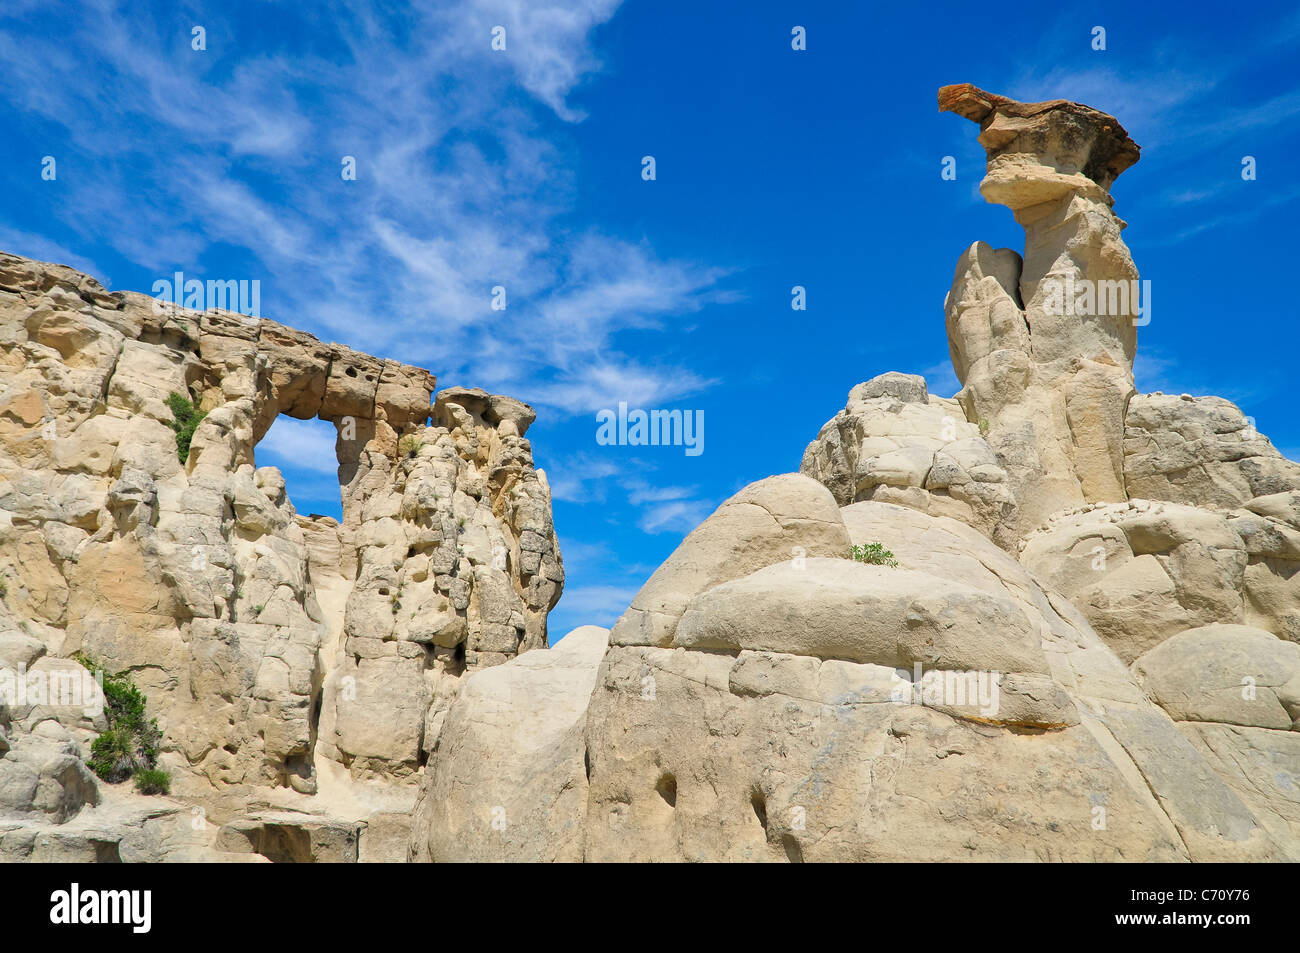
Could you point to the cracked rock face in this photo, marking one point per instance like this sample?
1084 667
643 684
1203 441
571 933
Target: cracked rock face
787 723
896 443
1246 725
1200 449
269 644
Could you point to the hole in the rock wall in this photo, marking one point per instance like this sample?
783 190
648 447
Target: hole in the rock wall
667 788
284 844
303 451
106 852
351 372
459 654
383 591
793 852
299 764
759 804
586 763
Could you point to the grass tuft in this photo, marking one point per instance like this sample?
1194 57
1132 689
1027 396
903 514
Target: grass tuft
188 417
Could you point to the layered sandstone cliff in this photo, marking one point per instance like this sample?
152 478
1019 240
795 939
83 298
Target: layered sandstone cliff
292 661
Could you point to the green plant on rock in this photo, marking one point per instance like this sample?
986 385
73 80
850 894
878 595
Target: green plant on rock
188 417
873 553
131 744
409 446
113 755
153 781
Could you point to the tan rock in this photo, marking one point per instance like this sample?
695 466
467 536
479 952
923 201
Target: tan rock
509 779
1143 571
1051 385
894 443
1202 451
1231 674
782 518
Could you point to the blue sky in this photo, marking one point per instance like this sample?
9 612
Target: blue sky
522 168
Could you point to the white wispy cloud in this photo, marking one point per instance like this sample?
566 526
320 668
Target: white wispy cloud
673 516
583 478
941 380
666 508
461 186
589 605
610 378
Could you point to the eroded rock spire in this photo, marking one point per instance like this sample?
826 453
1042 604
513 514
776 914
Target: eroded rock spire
1044 344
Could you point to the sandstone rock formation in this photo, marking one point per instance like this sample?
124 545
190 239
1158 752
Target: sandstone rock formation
767 697
508 780
1234 692
793 746
1052 386
273 647
896 442
1045 619
784 517
1201 451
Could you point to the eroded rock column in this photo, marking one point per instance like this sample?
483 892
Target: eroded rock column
1044 345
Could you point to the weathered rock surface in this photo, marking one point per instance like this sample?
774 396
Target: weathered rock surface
1051 385
786 733
896 443
1232 674
1083 643
271 646
1200 450
1235 694
1143 571
784 517
509 775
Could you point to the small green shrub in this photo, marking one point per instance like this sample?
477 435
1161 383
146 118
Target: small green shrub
132 742
112 755
409 446
187 419
874 553
153 781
